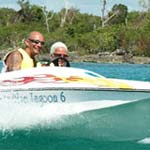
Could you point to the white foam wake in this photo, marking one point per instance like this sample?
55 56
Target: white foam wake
23 115
145 141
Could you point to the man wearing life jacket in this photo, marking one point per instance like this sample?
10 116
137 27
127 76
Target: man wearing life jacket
59 54
24 58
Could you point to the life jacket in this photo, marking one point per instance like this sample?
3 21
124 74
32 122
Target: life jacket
27 61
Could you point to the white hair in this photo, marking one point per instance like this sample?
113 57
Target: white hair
56 45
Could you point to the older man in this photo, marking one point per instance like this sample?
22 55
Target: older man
59 54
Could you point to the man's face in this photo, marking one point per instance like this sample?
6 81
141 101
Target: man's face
35 43
61 53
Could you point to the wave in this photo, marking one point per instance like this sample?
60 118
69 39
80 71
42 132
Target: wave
122 122
15 115
144 141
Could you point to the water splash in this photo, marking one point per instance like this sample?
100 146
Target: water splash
145 141
27 115
97 121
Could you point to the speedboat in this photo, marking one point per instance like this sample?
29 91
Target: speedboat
61 85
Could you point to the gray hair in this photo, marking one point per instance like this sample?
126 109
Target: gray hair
56 45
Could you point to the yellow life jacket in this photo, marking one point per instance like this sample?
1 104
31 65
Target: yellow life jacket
27 61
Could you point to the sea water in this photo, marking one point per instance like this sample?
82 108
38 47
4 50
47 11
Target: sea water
122 127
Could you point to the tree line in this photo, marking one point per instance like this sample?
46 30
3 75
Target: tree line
83 33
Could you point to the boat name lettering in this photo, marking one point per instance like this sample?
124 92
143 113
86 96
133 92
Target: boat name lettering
48 98
33 97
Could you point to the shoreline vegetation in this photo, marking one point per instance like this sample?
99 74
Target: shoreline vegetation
119 36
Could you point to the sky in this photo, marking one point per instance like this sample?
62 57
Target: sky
85 6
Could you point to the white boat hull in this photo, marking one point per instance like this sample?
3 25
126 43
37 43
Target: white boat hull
47 85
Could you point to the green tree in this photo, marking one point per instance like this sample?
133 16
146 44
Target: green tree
7 16
121 12
29 12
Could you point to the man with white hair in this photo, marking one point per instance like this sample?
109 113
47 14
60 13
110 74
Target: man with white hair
59 54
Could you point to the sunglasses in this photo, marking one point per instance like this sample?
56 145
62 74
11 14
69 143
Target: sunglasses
60 55
36 41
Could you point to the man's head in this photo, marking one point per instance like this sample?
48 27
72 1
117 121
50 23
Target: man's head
34 43
59 50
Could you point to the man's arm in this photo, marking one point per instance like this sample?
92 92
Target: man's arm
14 61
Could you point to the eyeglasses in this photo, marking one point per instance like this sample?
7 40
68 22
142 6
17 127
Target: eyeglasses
60 55
36 41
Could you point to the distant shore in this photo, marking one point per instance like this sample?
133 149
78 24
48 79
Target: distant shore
105 59
110 59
